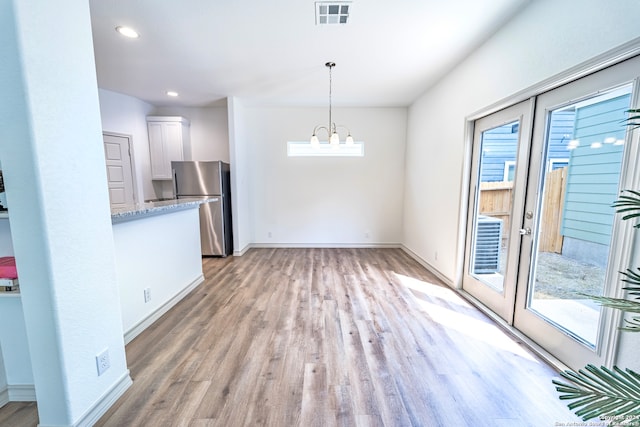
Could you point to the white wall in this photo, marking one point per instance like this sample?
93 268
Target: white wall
15 348
53 165
4 393
209 130
161 253
547 38
128 115
325 200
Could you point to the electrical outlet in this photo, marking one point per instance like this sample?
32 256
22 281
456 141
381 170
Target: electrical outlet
147 294
436 256
269 235
367 234
102 361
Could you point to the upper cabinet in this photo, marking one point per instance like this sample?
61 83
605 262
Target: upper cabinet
168 141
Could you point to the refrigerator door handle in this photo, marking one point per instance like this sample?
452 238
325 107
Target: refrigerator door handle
175 183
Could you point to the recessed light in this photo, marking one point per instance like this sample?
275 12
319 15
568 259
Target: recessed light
172 93
128 32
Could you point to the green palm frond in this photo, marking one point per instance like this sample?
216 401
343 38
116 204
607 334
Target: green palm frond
633 119
600 391
631 204
633 279
617 303
631 325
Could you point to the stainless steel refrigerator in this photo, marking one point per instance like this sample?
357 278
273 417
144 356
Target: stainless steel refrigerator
208 179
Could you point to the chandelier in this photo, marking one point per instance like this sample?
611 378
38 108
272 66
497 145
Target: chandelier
332 133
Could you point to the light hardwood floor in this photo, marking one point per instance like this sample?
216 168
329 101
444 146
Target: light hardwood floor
327 337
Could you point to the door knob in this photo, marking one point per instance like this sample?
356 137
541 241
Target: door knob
525 231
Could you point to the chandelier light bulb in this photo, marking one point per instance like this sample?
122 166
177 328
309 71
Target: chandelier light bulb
335 139
315 141
349 140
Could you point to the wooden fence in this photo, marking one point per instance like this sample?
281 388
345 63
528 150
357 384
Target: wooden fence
495 201
550 239
496 198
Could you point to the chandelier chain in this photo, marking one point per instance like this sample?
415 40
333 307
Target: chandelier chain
331 127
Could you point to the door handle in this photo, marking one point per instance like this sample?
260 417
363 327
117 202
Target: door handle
525 231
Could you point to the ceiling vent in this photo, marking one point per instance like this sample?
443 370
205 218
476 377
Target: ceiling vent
332 12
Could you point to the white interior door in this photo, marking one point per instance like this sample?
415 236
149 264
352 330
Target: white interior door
500 159
117 153
576 247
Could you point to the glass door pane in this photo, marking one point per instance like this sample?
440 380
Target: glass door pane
582 161
494 196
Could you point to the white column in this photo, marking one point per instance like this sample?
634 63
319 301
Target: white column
53 163
240 170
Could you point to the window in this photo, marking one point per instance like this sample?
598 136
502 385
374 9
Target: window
558 164
509 170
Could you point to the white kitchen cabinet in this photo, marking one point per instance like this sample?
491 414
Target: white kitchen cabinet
168 141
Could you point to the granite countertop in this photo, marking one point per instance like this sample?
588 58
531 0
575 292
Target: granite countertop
141 210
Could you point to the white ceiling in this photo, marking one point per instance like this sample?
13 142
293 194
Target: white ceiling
271 52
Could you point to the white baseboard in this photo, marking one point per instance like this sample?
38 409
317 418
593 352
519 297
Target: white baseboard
135 330
447 281
242 251
22 392
4 396
326 245
17 393
27 393
102 405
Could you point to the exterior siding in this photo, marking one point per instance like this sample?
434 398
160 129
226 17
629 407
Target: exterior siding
594 173
500 145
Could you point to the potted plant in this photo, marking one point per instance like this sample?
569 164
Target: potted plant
612 395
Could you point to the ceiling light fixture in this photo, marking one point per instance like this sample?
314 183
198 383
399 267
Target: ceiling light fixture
127 32
334 138
172 93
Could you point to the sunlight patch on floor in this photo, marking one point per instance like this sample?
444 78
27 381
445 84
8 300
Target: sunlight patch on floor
478 329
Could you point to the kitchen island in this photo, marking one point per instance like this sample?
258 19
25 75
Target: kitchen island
158 258
158 262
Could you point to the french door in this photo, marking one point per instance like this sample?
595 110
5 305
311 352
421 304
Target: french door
543 235
500 159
